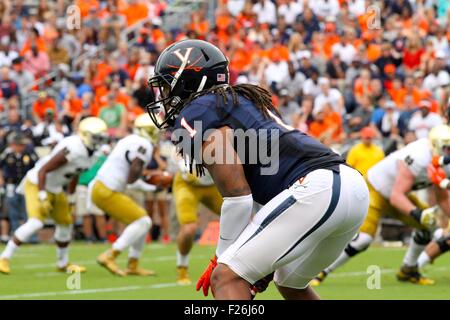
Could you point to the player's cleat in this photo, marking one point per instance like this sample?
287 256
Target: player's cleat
108 261
134 270
166 239
4 266
71 268
183 276
412 274
318 279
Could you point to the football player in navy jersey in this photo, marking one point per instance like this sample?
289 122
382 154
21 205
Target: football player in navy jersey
313 204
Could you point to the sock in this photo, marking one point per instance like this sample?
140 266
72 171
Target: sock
182 260
413 253
423 259
132 233
136 248
25 231
343 258
9 250
437 234
359 243
62 255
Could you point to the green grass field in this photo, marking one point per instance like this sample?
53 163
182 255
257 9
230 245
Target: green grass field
33 276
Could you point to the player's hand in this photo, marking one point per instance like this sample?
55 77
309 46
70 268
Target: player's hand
428 217
44 203
261 285
205 279
438 176
437 161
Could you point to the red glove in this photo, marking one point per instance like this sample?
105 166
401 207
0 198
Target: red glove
436 174
435 161
205 279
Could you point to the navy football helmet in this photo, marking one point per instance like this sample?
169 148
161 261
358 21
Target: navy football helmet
184 69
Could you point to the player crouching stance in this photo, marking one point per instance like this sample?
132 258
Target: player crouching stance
123 169
391 183
313 203
44 195
440 137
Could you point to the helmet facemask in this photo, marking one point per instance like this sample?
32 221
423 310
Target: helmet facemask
166 104
94 141
171 96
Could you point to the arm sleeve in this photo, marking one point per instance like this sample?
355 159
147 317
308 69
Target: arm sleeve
235 215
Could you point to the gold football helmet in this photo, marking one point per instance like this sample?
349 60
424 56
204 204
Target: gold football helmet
144 127
92 131
440 137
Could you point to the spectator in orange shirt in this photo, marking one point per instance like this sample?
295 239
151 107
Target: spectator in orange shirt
389 71
411 87
34 40
327 125
363 85
397 92
42 104
133 63
72 107
135 11
199 24
86 5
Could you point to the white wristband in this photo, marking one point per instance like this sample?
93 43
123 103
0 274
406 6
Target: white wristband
141 185
444 184
42 195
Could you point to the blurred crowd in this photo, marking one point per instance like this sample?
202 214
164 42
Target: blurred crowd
334 67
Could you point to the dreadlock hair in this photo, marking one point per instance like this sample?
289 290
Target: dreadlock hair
259 96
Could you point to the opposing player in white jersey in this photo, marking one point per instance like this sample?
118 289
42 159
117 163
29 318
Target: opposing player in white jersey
45 197
122 170
391 182
189 191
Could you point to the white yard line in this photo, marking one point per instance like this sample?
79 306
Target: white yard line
87 291
93 262
364 273
159 286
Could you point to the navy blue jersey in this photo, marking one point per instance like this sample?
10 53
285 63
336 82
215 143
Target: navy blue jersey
292 153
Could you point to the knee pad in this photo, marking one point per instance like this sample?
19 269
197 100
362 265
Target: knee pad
25 231
63 233
421 237
359 243
444 243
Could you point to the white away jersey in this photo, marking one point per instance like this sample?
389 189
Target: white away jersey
78 160
416 155
115 170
